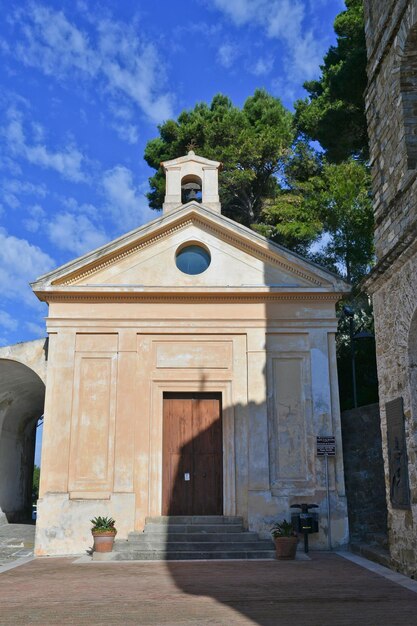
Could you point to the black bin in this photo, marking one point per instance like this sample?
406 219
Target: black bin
305 522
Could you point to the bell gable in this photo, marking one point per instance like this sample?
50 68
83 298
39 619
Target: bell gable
147 258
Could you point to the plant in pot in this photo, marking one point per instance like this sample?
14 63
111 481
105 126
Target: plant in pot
285 539
104 532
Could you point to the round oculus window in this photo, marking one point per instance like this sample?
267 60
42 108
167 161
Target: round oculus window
193 259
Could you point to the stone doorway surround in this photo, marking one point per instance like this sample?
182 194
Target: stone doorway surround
228 379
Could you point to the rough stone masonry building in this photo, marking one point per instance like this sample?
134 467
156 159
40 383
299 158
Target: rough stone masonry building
391 101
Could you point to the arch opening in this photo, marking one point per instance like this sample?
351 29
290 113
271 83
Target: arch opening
22 396
408 85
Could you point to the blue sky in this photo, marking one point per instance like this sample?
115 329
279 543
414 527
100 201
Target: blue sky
83 88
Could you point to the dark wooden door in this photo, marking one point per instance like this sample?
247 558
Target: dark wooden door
192 475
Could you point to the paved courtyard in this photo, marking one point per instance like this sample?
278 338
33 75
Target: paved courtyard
16 541
327 590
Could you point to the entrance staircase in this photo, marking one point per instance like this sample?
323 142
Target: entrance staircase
192 538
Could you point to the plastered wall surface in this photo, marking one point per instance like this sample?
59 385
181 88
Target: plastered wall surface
105 391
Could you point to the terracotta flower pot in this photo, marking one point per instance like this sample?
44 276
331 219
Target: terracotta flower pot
103 542
285 548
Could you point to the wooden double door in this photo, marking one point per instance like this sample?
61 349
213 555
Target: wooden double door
192 475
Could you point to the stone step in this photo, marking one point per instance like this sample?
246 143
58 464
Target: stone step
230 537
190 520
162 555
196 537
379 539
373 553
199 546
172 529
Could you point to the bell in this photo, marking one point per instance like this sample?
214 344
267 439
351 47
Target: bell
190 192
191 195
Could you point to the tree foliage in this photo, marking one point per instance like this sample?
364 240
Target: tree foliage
35 483
252 144
328 205
365 357
286 217
341 197
334 112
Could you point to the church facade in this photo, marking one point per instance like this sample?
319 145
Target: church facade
191 367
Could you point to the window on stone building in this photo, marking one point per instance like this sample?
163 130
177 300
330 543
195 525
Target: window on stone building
409 96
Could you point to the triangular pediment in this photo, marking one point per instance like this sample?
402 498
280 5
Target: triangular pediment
145 258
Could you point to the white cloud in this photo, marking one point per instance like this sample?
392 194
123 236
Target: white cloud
75 233
53 43
127 132
7 322
283 20
284 90
35 219
119 55
126 203
241 11
67 162
10 198
262 66
12 188
20 263
38 330
227 55
8 164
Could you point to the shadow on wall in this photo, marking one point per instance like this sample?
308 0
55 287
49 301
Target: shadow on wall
193 486
364 472
258 591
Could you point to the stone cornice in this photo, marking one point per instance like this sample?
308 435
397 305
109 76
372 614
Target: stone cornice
387 33
167 298
407 182
391 263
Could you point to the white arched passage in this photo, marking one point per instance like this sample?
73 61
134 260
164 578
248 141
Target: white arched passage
22 395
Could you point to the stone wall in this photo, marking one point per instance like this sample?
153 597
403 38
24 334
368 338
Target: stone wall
396 333
394 184
364 471
391 103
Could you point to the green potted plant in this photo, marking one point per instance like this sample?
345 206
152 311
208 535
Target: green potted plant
104 532
285 539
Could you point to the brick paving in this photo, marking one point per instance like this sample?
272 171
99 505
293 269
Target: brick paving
328 590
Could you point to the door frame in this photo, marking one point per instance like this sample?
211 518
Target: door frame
166 460
228 433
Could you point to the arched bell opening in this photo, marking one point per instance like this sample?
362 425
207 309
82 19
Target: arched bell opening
22 396
191 189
